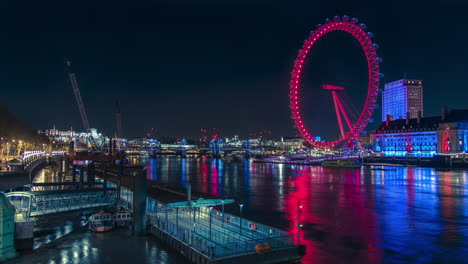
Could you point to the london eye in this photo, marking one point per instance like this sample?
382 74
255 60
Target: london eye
349 130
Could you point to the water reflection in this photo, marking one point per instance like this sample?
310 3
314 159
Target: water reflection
152 170
48 174
118 246
368 215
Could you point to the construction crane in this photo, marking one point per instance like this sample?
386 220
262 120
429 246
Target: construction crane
79 102
118 119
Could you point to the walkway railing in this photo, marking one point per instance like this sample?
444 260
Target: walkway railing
33 158
215 237
32 204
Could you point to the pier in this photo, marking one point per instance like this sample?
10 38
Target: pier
203 234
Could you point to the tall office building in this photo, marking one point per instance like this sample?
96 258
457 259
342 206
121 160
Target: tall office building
402 97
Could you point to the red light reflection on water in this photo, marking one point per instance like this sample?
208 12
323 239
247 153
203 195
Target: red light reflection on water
214 179
204 173
347 210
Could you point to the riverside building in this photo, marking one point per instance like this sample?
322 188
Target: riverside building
401 98
423 137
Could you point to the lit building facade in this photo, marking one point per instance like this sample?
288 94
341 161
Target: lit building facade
423 137
60 136
83 138
402 97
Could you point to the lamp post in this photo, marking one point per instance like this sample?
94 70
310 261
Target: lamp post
193 211
240 219
299 225
222 213
165 211
211 208
177 217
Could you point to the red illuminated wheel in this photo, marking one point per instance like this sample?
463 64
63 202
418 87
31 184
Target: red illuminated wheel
352 27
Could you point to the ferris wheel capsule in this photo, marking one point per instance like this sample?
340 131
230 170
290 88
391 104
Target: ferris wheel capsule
370 34
363 26
327 21
379 60
345 18
336 18
380 75
375 45
354 20
319 25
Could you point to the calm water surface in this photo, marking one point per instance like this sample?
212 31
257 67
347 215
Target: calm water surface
396 215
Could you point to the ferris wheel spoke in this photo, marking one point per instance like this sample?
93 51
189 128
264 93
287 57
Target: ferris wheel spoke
348 121
337 111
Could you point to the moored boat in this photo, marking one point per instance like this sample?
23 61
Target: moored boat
341 163
101 222
123 219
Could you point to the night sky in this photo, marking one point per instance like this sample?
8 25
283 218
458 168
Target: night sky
179 66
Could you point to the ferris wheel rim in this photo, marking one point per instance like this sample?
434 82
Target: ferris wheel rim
369 48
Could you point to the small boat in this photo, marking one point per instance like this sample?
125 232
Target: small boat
341 163
101 222
123 219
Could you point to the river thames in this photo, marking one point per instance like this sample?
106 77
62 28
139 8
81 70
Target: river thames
366 215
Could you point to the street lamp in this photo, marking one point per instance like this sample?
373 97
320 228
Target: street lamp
222 213
211 208
177 217
240 219
193 212
298 224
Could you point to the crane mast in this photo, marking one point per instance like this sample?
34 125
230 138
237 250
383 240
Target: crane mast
79 101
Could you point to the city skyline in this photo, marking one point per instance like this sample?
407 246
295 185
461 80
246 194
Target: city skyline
178 67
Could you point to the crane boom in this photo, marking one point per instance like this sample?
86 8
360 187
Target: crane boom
79 101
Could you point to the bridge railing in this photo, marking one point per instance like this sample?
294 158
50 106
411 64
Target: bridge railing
32 158
32 204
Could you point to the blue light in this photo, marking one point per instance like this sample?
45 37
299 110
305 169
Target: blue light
414 144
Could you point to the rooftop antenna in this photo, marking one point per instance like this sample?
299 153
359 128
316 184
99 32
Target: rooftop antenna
118 118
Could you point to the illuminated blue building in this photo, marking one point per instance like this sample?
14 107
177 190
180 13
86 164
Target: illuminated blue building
401 98
423 137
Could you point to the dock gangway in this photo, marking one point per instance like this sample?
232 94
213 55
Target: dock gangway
30 204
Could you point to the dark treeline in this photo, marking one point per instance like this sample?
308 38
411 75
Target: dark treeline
12 128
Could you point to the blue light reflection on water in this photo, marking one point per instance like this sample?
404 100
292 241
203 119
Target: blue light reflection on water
152 170
183 174
399 214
